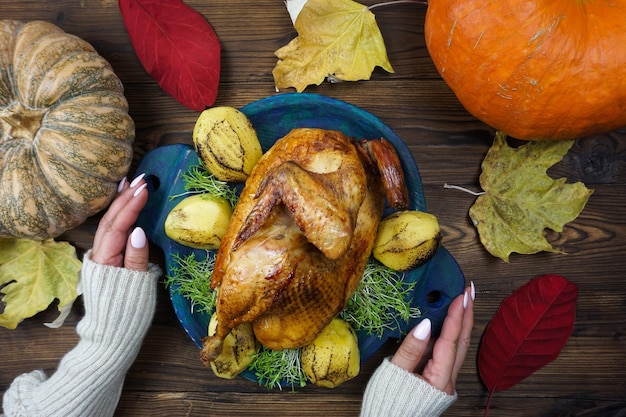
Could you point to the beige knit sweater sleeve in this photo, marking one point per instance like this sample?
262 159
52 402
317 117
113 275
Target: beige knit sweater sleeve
119 307
395 392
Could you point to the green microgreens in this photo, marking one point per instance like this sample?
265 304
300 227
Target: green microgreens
190 278
199 180
275 367
380 296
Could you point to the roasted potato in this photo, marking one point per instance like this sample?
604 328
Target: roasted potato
199 221
333 357
227 143
407 239
238 350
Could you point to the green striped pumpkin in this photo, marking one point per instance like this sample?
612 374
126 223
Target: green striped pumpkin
65 133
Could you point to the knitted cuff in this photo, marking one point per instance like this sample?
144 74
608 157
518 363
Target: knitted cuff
119 302
21 388
395 392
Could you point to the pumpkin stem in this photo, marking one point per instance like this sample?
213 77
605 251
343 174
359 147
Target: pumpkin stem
17 122
390 3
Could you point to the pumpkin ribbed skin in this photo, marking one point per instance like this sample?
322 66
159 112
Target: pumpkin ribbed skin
534 69
65 133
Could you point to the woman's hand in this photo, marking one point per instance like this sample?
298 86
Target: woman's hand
440 366
114 244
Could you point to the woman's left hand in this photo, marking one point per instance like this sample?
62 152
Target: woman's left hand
440 367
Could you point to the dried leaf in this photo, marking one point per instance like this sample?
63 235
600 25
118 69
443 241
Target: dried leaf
336 38
521 200
177 47
528 331
33 274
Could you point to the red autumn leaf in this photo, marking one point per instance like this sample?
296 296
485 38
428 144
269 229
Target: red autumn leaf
527 332
177 47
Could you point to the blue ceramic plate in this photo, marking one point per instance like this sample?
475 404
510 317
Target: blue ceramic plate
436 283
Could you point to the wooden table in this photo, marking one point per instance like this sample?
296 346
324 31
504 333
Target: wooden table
448 144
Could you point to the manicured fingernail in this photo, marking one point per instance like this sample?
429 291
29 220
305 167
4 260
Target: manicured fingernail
473 290
465 299
120 186
422 330
137 179
139 190
138 238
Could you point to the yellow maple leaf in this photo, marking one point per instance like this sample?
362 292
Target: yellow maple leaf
33 274
336 38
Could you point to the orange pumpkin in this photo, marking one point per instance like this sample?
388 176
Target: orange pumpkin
534 69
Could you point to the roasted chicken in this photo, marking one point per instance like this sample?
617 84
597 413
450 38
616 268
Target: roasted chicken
301 234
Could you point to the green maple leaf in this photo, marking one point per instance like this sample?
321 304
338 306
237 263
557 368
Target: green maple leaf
521 201
33 274
336 38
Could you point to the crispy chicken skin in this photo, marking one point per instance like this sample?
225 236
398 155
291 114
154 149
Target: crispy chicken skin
300 236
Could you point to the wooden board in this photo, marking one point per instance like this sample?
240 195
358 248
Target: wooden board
448 144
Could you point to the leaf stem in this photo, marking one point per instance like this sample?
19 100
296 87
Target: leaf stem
456 187
390 3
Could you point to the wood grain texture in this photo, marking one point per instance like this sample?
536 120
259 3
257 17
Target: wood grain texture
448 145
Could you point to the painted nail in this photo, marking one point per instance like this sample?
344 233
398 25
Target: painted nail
136 180
121 185
465 298
139 190
138 238
422 330
473 290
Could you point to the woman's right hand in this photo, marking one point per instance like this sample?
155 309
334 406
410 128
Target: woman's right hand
114 243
